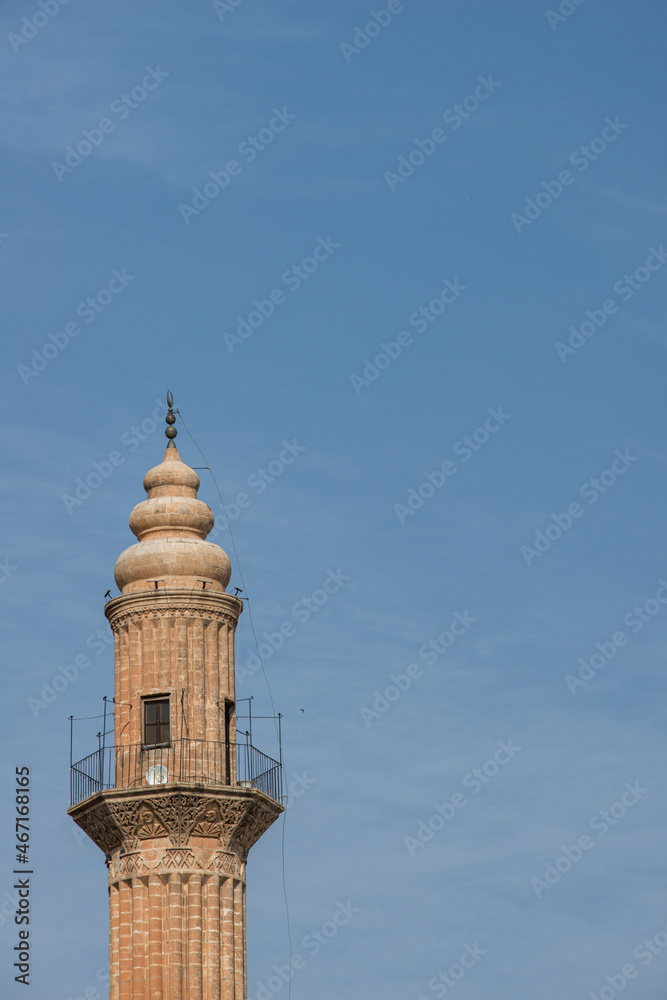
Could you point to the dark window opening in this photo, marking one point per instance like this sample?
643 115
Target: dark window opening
229 715
156 722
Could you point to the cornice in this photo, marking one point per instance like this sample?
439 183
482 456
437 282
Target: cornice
234 818
171 603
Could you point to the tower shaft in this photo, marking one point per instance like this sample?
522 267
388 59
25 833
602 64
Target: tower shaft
177 802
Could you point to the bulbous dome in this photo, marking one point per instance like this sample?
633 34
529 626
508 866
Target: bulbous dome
171 526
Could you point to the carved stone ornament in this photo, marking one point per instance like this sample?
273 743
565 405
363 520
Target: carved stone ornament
234 817
126 866
193 610
181 860
174 602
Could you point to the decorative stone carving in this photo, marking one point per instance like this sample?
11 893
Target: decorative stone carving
228 815
100 827
148 826
177 812
257 819
219 819
227 863
127 865
109 824
178 859
120 618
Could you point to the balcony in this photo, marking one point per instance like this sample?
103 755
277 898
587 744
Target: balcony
183 761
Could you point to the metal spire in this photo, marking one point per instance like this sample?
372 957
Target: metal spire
170 431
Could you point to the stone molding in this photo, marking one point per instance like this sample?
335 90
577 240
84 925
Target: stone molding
171 603
235 818
182 861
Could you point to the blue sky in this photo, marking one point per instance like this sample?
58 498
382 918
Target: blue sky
449 226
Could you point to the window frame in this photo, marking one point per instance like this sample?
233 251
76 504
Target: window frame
160 699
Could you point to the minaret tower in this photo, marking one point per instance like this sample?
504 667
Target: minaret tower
177 802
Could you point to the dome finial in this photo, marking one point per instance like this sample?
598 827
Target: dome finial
170 431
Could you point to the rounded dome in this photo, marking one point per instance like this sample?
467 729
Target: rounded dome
171 514
172 562
171 479
171 526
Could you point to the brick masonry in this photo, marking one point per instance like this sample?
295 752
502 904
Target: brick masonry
176 852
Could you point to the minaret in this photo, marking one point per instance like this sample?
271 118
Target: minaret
177 803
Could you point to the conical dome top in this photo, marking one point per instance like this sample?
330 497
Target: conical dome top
171 526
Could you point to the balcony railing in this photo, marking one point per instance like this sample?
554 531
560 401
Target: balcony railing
182 760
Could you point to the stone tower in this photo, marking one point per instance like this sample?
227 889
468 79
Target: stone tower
177 802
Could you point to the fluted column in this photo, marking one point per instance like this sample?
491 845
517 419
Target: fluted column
156 939
114 942
174 952
177 936
227 934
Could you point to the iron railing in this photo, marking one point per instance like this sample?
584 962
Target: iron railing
182 760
